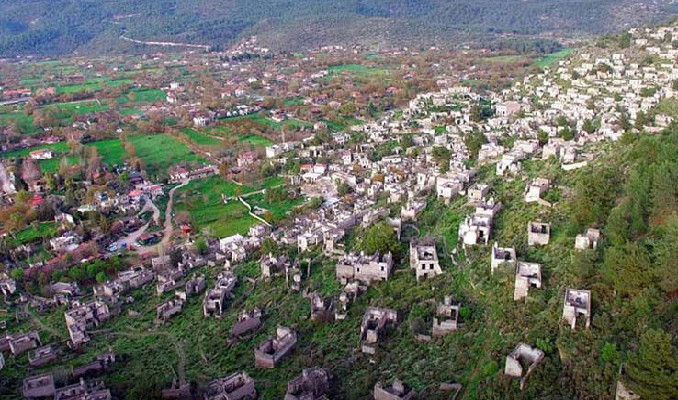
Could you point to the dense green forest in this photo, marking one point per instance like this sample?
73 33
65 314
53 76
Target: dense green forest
65 26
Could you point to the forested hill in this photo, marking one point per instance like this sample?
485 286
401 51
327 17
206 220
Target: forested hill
86 26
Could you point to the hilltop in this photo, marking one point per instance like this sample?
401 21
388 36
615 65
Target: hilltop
40 27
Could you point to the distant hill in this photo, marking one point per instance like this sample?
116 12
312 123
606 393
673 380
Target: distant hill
48 27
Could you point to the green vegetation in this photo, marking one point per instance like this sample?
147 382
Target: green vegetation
201 139
545 61
357 69
111 151
35 233
88 27
159 152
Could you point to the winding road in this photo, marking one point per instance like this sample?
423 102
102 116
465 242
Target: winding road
168 228
130 239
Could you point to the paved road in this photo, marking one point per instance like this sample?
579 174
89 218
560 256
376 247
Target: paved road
168 228
132 237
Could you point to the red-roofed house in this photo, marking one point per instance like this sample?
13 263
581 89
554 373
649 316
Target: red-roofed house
42 154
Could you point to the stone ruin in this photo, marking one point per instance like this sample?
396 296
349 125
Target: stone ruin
523 356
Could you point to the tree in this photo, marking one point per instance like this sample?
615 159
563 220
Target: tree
380 238
588 126
343 189
542 137
17 274
201 246
665 250
269 246
652 372
628 267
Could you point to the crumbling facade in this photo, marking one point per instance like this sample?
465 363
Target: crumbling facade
21 343
270 352
82 317
538 233
447 318
214 302
577 304
41 356
312 384
322 309
396 391
522 354
247 322
587 241
424 258
501 256
39 386
527 275
271 265
348 294
476 228
238 386
364 268
373 325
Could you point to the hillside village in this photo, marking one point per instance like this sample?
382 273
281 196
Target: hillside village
411 235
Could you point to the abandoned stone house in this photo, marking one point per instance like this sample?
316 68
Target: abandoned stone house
97 366
293 277
622 392
577 305
21 343
41 356
215 299
424 258
131 279
538 233
447 318
38 386
477 193
322 309
85 390
364 268
271 265
312 384
528 275
587 241
271 351
161 262
248 321
501 255
348 294
195 285
396 391
536 189
373 324
523 354
238 386
168 309
477 227
80 318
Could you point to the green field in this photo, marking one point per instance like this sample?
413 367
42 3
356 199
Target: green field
279 209
160 152
111 151
32 234
357 69
202 200
255 140
23 122
543 62
91 85
200 139
148 95
52 165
